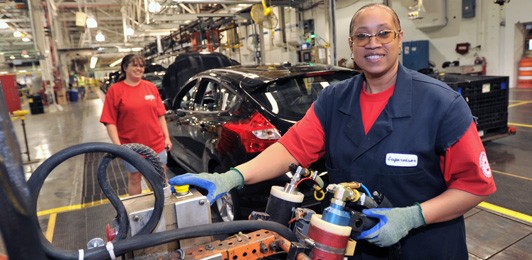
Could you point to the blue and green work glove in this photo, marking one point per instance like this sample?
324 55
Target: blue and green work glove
216 184
394 224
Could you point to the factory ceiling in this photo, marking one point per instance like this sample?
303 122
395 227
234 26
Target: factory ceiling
126 25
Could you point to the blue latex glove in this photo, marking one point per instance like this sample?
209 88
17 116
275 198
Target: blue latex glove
394 224
216 184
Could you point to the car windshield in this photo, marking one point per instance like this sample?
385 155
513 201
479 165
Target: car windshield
291 98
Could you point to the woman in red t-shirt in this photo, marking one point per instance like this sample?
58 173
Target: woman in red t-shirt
133 112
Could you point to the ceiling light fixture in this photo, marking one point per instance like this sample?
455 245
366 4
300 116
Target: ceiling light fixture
3 25
154 6
115 62
17 34
94 60
91 22
129 31
12 57
100 37
25 39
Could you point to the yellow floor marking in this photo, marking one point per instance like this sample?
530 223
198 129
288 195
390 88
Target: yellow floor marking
53 213
520 103
512 175
505 211
79 206
51 227
522 125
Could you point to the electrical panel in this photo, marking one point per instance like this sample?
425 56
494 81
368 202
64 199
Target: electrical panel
416 54
468 8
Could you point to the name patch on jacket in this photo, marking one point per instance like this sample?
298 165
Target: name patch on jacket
149 97
401 160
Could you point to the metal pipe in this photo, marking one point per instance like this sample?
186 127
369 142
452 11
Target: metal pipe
124 24
146 12
32 25
332 29
282 19
85 5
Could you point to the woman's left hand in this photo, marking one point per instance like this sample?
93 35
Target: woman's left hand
167 144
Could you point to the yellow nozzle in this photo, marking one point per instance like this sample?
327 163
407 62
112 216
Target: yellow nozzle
182 189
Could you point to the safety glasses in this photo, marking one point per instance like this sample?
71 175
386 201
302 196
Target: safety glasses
383 37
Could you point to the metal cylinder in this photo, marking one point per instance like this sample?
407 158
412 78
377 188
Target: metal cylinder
330 240
281 204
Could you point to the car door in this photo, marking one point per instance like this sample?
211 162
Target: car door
178 128
199 111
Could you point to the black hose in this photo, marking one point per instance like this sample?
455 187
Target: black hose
122 216
18 221
149 240
151 157
36 182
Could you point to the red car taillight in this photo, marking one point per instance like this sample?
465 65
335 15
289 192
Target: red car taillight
256 133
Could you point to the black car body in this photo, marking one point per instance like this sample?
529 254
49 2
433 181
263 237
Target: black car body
187 65
225 117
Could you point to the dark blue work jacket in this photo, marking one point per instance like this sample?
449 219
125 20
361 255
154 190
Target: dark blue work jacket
400 155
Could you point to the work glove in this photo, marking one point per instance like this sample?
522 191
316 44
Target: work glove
216 184
394 224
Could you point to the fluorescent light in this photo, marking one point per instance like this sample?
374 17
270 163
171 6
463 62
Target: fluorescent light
129 31
115 62
3 25
154 6
12 57
17 34
100 37
94 60
136 49
91 23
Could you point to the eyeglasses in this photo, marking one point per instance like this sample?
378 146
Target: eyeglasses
383 37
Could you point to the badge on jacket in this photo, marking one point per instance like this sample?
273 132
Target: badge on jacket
149 97
401 160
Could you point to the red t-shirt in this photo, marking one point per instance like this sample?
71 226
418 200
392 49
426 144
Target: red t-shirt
465 165
135 110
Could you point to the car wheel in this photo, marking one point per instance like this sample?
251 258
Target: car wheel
226 208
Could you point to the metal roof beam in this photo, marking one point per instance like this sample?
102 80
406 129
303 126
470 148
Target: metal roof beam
184 17
273 2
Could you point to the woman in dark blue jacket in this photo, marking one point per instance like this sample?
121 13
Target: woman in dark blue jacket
395 130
